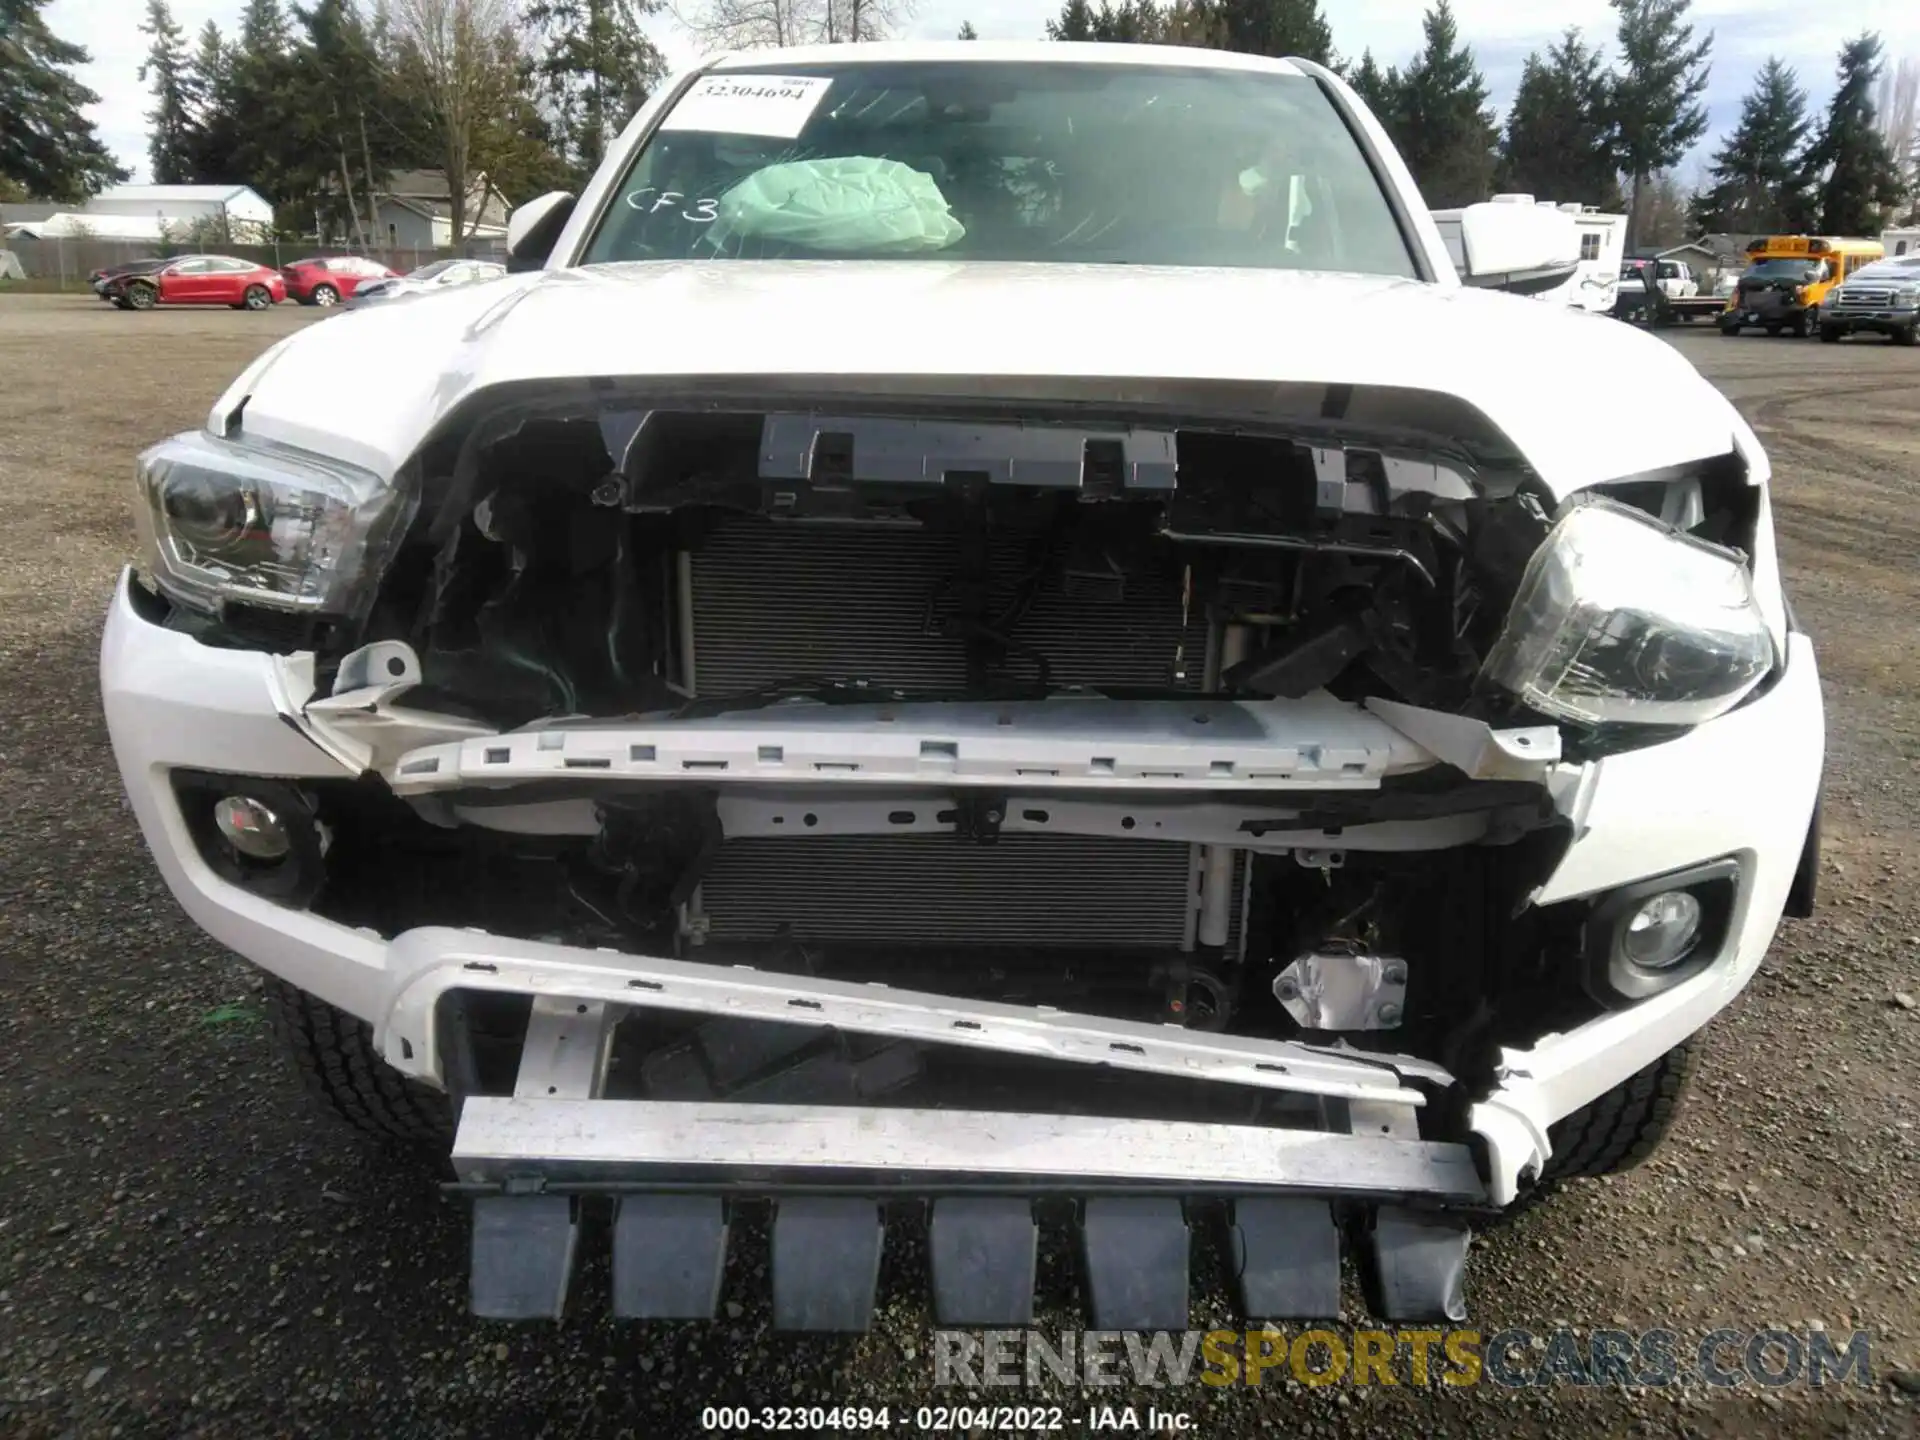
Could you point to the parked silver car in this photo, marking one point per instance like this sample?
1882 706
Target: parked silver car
441 274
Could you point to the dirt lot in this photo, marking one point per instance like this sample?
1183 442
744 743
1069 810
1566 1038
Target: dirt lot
183 1251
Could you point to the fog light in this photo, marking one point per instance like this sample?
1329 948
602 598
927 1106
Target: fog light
252 828
1662 931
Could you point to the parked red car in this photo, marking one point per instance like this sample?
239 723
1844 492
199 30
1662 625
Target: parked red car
329 279
199 280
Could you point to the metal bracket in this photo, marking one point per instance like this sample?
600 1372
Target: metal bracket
981 817
1341 991
383 664
565 1054
524 1241
1474 747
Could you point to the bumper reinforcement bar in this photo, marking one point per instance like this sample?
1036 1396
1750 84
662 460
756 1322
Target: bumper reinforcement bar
524 1152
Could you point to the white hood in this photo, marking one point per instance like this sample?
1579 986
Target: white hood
369 387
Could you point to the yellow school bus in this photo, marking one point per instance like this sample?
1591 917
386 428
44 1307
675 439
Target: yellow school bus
1787 278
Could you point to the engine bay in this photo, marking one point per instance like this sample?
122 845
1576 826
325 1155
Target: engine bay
1052 712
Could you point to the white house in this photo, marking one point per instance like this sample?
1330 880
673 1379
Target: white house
180 210
414 210
1902 241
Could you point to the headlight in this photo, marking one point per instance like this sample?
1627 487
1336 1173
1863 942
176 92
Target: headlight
1621 619
263 525
1908 297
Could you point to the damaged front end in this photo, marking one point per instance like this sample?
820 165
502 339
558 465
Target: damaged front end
1113 804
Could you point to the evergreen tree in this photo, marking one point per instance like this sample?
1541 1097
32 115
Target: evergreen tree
597 67
252 126
1657 112
170 136
1759 180
211 138
522 150
1075 22
1132 22
48 148
1380 89
341 127
967 32
1858 180
1442 125
1559 142
1274 27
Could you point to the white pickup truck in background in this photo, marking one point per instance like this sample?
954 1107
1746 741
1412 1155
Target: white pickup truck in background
1674 277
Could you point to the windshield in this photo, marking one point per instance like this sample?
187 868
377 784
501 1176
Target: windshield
427 272
1801 270
987 160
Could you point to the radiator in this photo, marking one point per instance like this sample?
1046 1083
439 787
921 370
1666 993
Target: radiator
1038 890
774 600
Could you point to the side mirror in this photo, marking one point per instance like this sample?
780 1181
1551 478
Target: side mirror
534 226
1525 249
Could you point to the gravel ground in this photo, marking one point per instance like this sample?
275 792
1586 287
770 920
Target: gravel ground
183 1251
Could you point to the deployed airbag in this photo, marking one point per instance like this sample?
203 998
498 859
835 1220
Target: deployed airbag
844 203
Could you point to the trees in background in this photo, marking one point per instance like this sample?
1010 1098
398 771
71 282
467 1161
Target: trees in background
1759 178
315 104
315 101
1273 27
1664 219
1657 92
175 94
1379 88
463 60
1439 119
747 24
48 148
596 67
1858 181
1560 138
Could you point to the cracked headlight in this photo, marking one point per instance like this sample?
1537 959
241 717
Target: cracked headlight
258 524
1620 619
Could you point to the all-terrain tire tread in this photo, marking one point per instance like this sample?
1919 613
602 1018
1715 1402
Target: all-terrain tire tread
334 1055
1621 1128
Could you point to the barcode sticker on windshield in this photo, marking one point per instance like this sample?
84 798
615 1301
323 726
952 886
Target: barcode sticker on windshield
774 105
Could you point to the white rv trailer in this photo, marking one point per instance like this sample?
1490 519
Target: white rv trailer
1603 242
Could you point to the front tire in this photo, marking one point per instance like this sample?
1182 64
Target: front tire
1831 334
1623 1127
141 297
1908 336
345 1076
325 296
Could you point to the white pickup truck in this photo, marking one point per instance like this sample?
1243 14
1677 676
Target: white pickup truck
1675 278
984 631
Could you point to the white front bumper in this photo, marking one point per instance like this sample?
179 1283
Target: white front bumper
1743 786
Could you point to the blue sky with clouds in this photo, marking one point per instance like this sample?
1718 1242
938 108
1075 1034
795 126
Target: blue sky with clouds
1503 33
